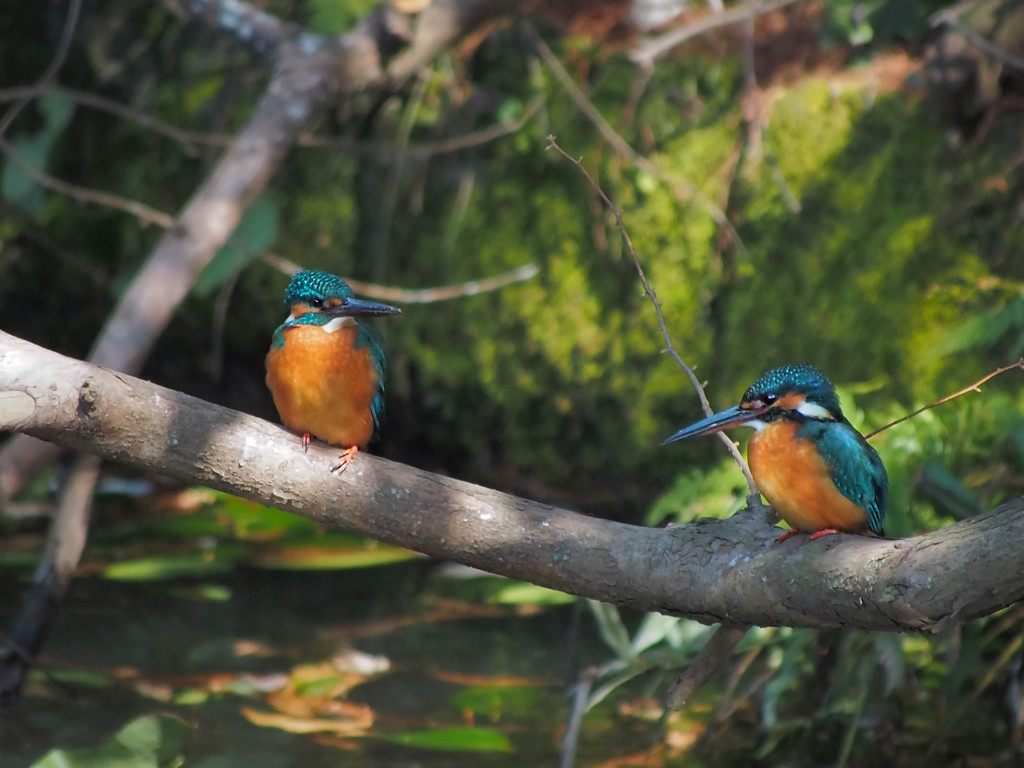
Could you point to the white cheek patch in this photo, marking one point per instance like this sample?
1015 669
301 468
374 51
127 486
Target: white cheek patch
337 323
814 411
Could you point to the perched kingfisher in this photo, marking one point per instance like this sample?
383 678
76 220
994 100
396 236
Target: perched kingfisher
813 467
324 369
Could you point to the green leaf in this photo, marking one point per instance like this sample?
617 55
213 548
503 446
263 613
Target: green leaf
15 185
57 110
613 631
155 741
319 554
497 700
522 593
254 234
452 739
170 566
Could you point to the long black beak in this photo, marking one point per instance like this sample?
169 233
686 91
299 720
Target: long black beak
359 308
730 417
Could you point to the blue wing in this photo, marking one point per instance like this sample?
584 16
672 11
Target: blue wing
856 467
367 337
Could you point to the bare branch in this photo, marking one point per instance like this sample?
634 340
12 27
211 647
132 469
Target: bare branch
949 18
429 148
59 57
141 211
188 139
754 498
729 571
681 188
659 46
261 31
419 295
711 658
975 387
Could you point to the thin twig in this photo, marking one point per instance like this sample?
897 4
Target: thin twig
84 194
570 741
428 148
975 387
669 347
188 139
59 57
419 295
949 18
682 188
709 660
659 46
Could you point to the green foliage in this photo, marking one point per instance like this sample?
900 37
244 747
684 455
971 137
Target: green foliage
254 235
335 17
452 739
35 148
156 741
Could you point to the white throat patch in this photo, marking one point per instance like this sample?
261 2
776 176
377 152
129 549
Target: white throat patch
814 411
337 323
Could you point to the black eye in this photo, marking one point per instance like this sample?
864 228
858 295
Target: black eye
316 301
769 398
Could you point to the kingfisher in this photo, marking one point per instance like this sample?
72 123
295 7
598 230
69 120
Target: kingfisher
325 369
813 467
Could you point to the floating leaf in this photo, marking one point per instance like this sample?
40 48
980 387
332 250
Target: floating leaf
320 555
155 741
452 739
170 566
522 593
497 700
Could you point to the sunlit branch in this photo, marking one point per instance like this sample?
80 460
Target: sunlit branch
419 295
261 31
681 188
975 387
659 46
754 497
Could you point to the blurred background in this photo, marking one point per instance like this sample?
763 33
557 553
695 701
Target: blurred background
836 183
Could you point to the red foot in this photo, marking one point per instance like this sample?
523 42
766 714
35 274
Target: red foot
345 458
823 532
306 437
813 536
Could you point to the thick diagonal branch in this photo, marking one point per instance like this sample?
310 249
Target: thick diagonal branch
730 571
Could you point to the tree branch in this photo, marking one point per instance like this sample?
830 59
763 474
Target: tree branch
729 571
659 46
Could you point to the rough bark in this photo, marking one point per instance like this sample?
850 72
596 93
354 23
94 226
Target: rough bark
730 571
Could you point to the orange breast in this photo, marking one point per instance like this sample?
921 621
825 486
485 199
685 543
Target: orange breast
323 384
792 476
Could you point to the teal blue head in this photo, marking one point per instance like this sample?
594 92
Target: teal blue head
796 391
313 291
